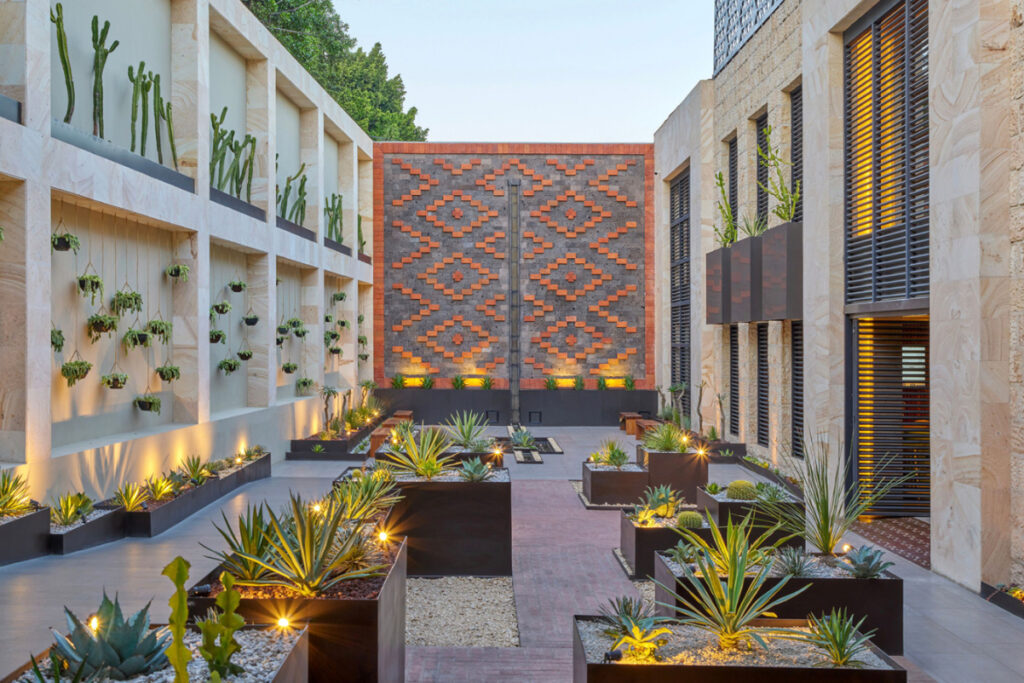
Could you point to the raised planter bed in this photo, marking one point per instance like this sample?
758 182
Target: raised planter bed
684 472
717 280
455 528
879 601
771 476
239 205
584 671
96 531
296 229
604 485
366 258
334 449
496 459
721 510
745 276
782 264
350 639
1002 599
25 537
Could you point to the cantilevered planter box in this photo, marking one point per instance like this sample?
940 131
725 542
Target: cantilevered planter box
455 528
587 672
717 281
745 280
782 265
25 537
349 639
684 472
603 485
239 205
96 531
879 601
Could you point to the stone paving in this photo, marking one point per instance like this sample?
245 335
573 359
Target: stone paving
562 564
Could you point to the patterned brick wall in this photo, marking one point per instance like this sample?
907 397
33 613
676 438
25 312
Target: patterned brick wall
441 261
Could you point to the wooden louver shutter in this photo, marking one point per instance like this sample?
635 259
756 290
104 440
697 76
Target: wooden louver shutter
679 235
762 385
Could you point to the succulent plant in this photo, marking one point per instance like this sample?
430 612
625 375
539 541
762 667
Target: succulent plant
523 439
840 636
14 499
713 488
131 497
70 508
195 471
689 519
741 489
117 648
865 562
662 500
682 552
126 301
475 469
466 427
665 438
610 453
160 488
793 561
422 455
250 541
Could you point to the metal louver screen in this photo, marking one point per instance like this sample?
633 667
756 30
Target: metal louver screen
796 346
891 412
733 176
796 154
762 169
679 235
762 385
734 380
886 156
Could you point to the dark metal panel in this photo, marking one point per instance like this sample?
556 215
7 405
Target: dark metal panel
796 388
763 387
796 153
762 169
734 380
679 238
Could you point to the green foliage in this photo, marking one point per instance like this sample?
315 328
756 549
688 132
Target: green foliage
14 498
629 383
64 241
770 493
221 308
793 561
577 383
91 286
633 624
466 427
689 519
177 652
178 271
318 448
487 382
475 469
422 454
712 433
115 380
70 508
362 497
839 636
619 612
126 301
160 488
65 62
754 227
362 340
294 323
359 235
741 489
665 438
160 328
714 488
760 548
218 631
195 471
117 649
289 368
662 500
57 340
217 337
610 453
133 338
338 296
729 232
168 373
75 370
335 217
522 439
550 384
56 671
458 382
683 552
398 381
642 640
786 200
100 54
427 383
131 496
242 154
228 365
237 286
304 384
250 541
148 402
865 562
602 384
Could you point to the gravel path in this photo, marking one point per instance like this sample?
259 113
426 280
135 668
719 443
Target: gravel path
460 611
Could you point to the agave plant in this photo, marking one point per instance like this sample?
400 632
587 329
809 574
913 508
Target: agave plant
422 454
251 540
466 428
523 439
793 562
364 496
14 498
760 549
665 438
112 646
475 469
865 562
160 488
632 623
610 453
70 508
131 497
839 636
195 471
661 500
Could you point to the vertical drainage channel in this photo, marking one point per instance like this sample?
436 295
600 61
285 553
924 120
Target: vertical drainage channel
513 297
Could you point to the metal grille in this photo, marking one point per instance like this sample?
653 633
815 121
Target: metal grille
891 428
762 169
734 380
796 389
886 156
796 154
679 235
733 176
735 22
762 385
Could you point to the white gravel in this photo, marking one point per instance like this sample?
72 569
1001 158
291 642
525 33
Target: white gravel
63 529
819 568
456 611
498 474
628 467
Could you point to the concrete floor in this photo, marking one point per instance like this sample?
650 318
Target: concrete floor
562 564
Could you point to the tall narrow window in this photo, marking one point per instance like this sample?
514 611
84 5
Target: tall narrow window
886 162
734 380
891 413
796 153
796 390
762 384
733 176
679 236
762 169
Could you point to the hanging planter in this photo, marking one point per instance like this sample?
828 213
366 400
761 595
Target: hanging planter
220 309
244 354
330 336
289 368
178 271
115 380
64 242
342 324
126 301
364 356
91 286
294 323
228 365
328 318
168 373
100 324
250 319
75 370
300 332
133 338
280 341
57 340
160 328
148 403
335 350
303 384
362 340
283 329
237 286
338 296
217 336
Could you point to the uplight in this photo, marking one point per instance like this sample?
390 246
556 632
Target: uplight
316 507
94 623
383 536
238 460
847 548
283 622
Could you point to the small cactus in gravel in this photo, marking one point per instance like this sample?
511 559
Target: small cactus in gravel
741 489
689 519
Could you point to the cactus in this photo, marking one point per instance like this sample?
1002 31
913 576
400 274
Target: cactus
282 197
177 652
99 39
689 519
170 135
335 217
145 86
136 78
65 62
298 212
741 489
158 115
359 236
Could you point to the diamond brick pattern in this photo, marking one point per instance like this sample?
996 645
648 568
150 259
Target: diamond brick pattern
441 221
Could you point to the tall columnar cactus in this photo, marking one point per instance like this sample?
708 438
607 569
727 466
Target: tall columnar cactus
333 214
282 197
99 40
298 212
145 86
65 63
137 79
158 116
169 118
219 140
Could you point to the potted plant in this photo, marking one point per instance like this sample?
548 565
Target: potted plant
115 380
609 477
228 365
342 324
250 319
294 323
133 338
160 328
300 332
652 526
64 241
100 324
168 373
289 368
217 336
57 340
334 350
126 301
330 336
283 328
741 498
280 341
467 432
90 285
303 384
664 452
237 286
75 370
337 297
148 403
222 308
364 357
244 354
178 271
24 525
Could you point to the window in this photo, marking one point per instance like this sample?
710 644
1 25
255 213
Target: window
679 236
796 153
886 157
733 177
734 380
796 395
762 385
762 169
891 412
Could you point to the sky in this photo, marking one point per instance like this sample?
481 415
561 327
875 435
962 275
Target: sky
540 70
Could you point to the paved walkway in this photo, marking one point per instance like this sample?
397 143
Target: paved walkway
562 565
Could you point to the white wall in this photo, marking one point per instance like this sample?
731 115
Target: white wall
330 167
288 143
289 305
227 84
228 392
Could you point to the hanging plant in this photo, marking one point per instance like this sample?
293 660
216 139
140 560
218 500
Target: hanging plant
280 341
342 324
100 324
168 373
237 286
244 354
328 318
217 336
250 319
228 365
57 340
289 368
64 242
303 384
91 285
74 370
160 328
330 336
294 323
364 356
220 309
300 332
126 301
335 350
115 380
133 338
283 328
338 296
148 403
178 271
362 340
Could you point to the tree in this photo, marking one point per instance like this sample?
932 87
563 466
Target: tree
358 80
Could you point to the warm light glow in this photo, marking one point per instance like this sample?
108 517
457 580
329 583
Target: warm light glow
94 623
685 439
238 460
702 452
475 382
283 622
615 382
565 382
413 381
383 536
847 548
316 507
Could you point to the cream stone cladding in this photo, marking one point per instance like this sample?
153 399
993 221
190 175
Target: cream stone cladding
86 438
1015 126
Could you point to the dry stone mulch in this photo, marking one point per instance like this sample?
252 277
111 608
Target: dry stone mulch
457 611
